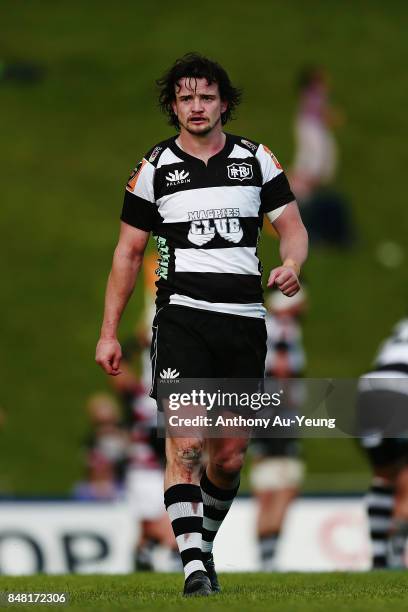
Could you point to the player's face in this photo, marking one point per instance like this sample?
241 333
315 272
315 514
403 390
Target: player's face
198 105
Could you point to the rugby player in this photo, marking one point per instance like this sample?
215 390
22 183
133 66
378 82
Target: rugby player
203 194
381 411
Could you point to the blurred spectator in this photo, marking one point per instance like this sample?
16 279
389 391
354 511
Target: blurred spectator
277 470
106 450
100 483
324 210
383 424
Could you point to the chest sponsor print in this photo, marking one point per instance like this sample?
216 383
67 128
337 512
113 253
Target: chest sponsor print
203 230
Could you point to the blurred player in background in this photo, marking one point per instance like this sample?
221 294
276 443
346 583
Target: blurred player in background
277 470
316 155
324 209
105 450
382 416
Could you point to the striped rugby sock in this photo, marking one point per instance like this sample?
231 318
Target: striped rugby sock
217 502
184 505
380 505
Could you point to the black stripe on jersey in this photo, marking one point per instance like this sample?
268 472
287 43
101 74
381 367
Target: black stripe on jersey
276 193
176 235
393 367
139 213
188 175
213 287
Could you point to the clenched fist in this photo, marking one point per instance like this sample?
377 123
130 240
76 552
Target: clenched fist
286 280
108 356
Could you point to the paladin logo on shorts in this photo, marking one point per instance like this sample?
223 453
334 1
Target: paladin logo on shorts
169 373
177 177
240 172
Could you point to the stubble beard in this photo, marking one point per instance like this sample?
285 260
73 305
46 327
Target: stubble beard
202 131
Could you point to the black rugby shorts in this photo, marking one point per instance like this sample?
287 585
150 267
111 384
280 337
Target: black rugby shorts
192 343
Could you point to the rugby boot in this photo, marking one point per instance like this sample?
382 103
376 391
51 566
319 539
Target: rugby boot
197 585
212 574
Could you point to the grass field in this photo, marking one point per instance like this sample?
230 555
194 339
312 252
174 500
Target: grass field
374 592
70 141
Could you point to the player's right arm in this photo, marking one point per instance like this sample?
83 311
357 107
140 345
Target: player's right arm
139 216
127 261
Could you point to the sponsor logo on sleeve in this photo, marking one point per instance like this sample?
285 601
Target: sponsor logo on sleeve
154 154
134 177
249 144
275 161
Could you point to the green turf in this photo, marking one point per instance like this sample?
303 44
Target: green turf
374 592
69 142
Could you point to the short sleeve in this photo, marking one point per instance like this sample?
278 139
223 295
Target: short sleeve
275 191
139 208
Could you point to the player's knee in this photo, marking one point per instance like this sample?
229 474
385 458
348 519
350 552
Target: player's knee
230 463
186 454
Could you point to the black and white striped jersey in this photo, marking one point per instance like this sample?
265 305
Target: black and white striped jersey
206 219
393 352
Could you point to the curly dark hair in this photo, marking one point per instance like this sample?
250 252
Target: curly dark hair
196 66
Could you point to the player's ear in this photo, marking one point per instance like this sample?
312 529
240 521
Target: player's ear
174 107
224 106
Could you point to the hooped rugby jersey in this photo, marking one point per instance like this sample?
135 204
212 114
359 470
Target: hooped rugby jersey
206 219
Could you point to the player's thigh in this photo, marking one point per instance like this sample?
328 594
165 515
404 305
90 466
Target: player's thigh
240 348
178 350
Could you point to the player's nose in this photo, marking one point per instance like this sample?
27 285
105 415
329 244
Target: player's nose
197 105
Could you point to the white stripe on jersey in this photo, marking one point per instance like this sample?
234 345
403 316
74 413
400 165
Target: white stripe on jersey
256 310
174 208
268 167
235 260
144 183
240 153
167 158
392 352
384 381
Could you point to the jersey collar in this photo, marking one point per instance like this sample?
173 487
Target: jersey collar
225 151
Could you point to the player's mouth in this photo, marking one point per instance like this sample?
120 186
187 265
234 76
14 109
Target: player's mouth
198 120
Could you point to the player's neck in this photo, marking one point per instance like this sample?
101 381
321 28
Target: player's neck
204 146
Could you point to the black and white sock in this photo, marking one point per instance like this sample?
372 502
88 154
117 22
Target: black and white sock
184 505
380 506
216 502
267 547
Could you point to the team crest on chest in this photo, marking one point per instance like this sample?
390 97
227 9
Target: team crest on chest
240 172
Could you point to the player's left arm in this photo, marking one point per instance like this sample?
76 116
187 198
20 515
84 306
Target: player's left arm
293 250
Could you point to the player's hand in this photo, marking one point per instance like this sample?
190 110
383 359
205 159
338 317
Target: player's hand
108 356
286 280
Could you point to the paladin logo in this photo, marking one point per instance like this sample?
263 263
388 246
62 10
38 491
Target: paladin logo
177 177
169 373
240 172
